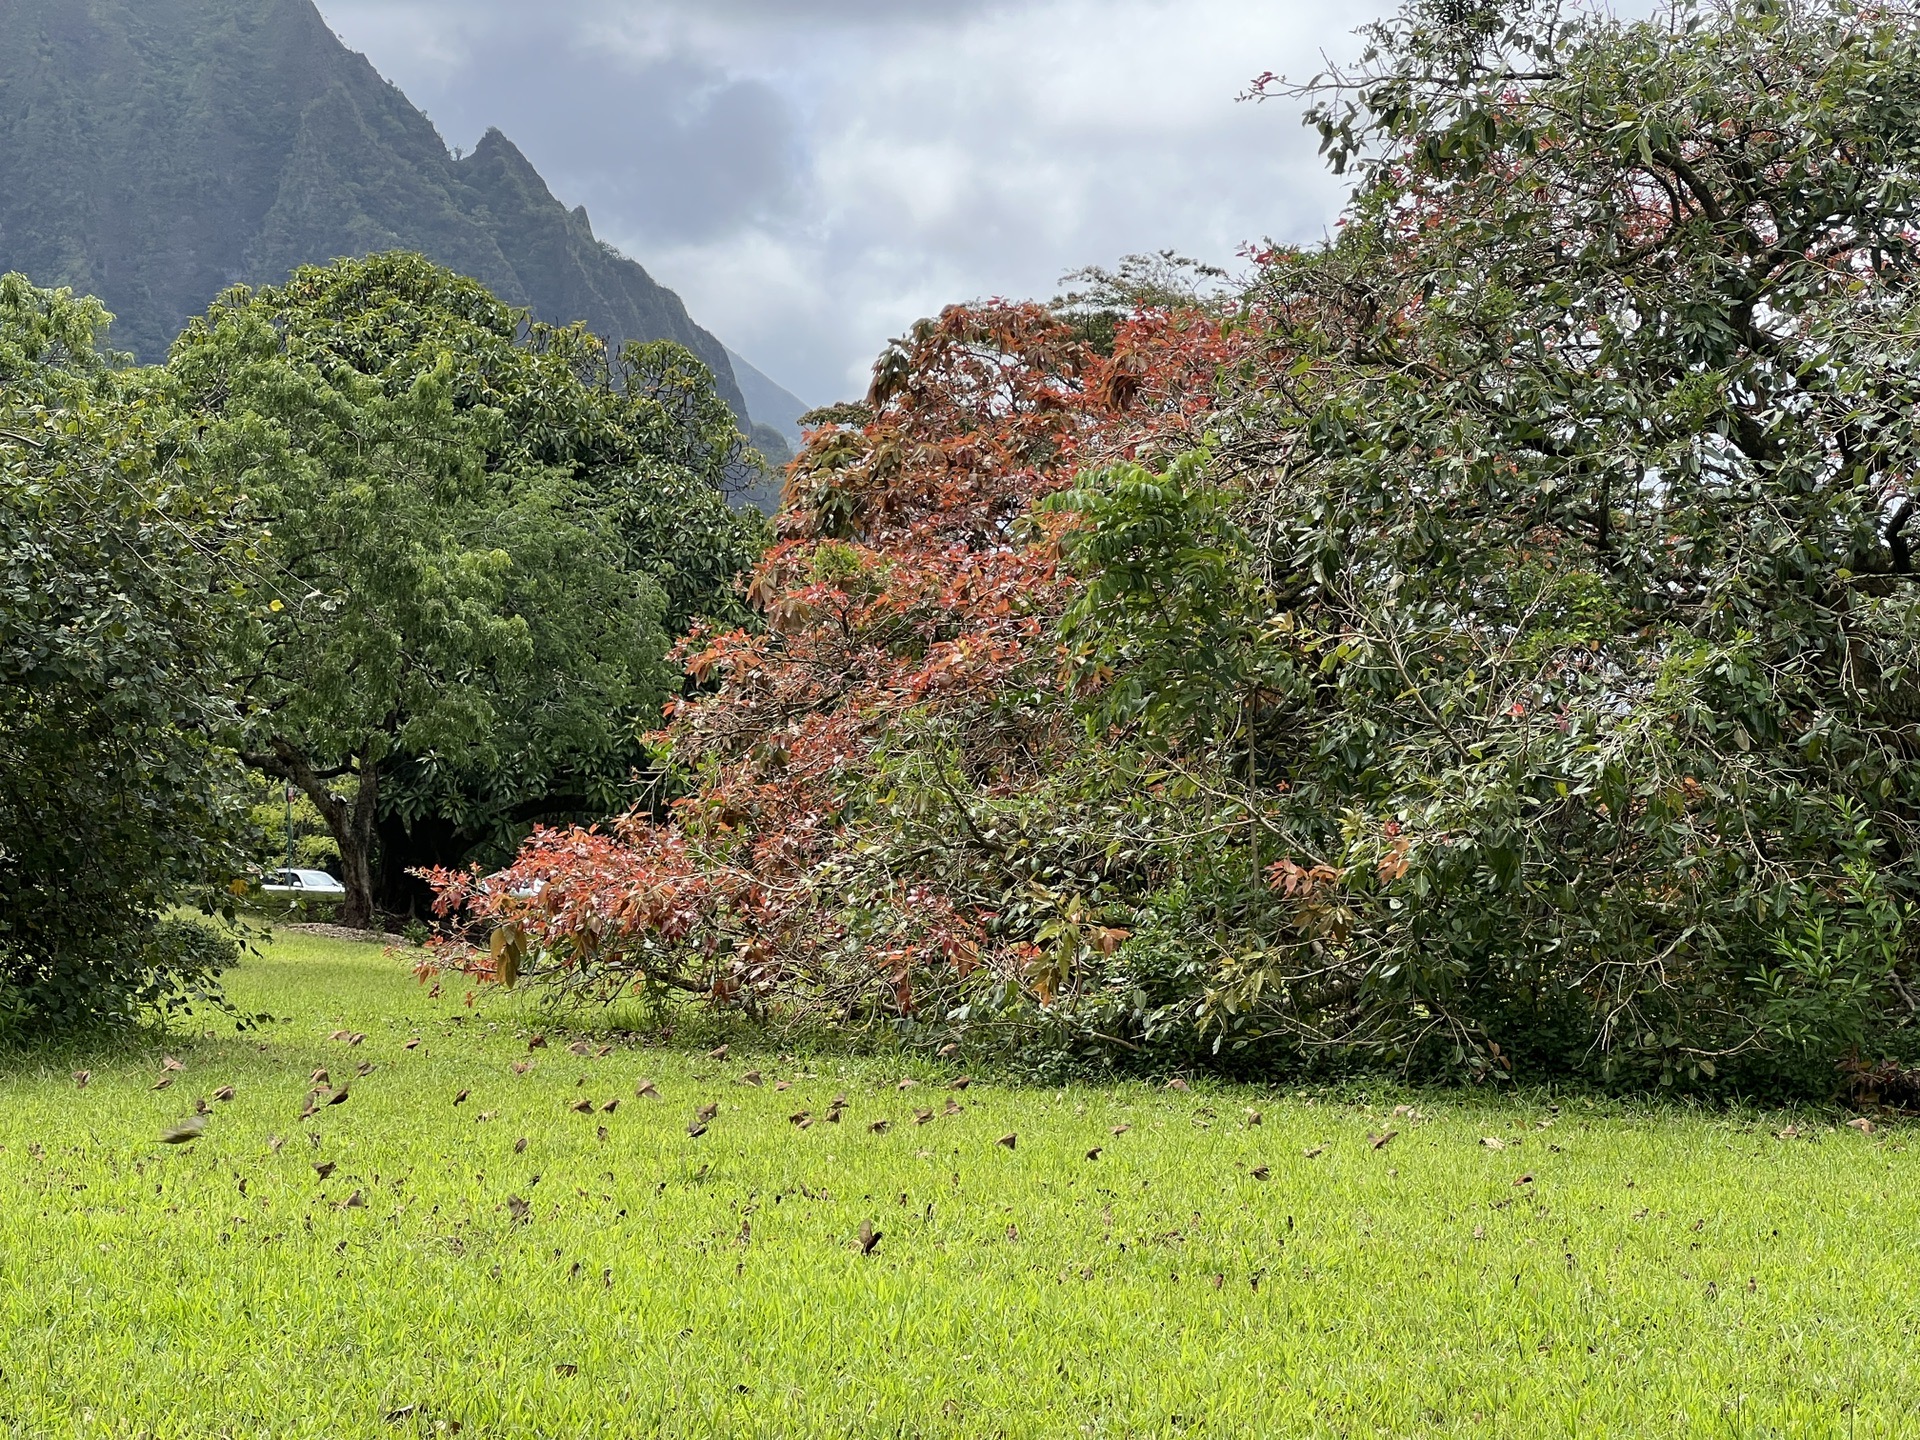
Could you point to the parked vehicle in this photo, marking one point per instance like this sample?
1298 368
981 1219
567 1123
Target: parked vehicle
303 885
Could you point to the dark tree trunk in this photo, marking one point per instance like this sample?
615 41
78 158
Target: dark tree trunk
350 822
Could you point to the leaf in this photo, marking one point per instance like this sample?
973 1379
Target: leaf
413 1044
907 1084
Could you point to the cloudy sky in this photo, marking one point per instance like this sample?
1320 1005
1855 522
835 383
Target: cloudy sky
814 175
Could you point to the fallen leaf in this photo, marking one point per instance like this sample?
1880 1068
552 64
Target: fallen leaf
603 1052
1009 1140
365 1069
538 1042
869 1237
780 1085
191 1128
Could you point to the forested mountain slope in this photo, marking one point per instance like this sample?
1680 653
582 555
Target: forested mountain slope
155 152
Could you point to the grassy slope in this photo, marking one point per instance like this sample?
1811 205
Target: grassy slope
1659 1276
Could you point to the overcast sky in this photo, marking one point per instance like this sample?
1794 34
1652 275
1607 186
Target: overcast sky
814 175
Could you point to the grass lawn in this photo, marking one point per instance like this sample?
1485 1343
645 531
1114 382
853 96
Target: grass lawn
1604 1272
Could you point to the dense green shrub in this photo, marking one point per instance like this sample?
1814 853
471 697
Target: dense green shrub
117 577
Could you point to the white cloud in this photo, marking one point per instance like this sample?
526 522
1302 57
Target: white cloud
813 175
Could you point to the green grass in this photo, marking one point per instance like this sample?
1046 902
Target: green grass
1660 1274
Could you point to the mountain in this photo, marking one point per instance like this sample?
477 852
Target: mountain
769 403
155 152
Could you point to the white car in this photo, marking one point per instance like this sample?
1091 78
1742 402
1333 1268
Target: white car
303 885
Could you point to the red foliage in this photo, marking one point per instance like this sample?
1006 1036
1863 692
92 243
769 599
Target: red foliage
911 585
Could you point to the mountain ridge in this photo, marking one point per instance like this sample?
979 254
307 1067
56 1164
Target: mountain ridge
156 152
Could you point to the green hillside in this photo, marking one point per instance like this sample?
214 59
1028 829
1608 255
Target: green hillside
154 152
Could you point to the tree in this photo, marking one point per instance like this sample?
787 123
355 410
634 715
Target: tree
117 568
469 552
1489 648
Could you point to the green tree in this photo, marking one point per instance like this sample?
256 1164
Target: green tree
470 548
118 570
1574 492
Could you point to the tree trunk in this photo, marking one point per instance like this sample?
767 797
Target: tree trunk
351 823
